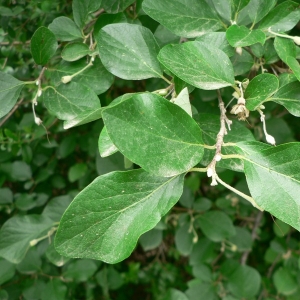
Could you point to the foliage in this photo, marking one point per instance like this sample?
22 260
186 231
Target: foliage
174 125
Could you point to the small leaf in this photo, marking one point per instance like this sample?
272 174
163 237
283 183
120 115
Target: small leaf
18 231
90 227
82 9
115 6
284 48
198 64
68 101
80 270
294 66
289 96
284 282
238 5
244 282
55 289
10 89
196 15
174 294
75 51
184 239
77 171
65 29
273 178
281 18
183 101
216 225
129 51
260 89
43 45
151 239
7 271
242 63
241 36
242 239
105 145
223 8
257 9
158 128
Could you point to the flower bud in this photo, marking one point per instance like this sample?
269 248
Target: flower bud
33 242
66 79
210 172
214 182
239 50
39 93
38 121
270 139
296 40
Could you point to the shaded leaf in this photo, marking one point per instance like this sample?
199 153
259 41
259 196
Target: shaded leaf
10 89
129 51
183 101
257 9
43 45
75 51
169 136
106 219
82 9
65 29
284 282
114 6
242 63
196 15
105 145
198 64
284 48
294 66
55 289
151 239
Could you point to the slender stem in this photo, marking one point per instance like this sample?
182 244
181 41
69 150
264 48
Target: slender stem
166 79
229 156
202 170
248 198
209 147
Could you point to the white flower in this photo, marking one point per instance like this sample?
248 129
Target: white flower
239 50
210 172
66 79
270 139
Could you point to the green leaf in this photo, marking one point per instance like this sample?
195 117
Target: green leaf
289 96
55 289
7 271
282 18
54 257
198 64
270 53
284 48
153 125
294 66
223 8
10 89
109 278
96 77
206 290
244 282
184 239
77 171
114 6
18 231
80 270
174 294
32 262
202 272
151 239
129 51
105 145
68 101
241 36
105 220
6 196
65 29
242 240
183 101
238 5
242 63
216 225
257 9
43 45
260 89
273 178
82 9
164 36
217 40
284 282
189 18
20 171
75 51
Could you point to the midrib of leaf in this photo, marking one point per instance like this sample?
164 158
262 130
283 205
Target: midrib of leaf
119 212
10 88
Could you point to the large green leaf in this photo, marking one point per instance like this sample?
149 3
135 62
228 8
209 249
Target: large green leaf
198 64
10 89
82 9
257 9
18 231
273 177
65 29
96 76
284 48
155 134
260 89
241 36
43 45
105 220
289 96
129 51
282 18
114 6
68 101
187 18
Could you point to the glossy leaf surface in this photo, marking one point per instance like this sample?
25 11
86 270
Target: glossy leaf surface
10 89
284 48
129 51
106 219
43 45
198 64
196 15
155 134
257 9
260 89
75 51
65 29
105 145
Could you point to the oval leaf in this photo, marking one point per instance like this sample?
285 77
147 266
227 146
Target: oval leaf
75 51
155 134
129 51
105 145
43 45
260 89
105 220
198 64
284 48
65 29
